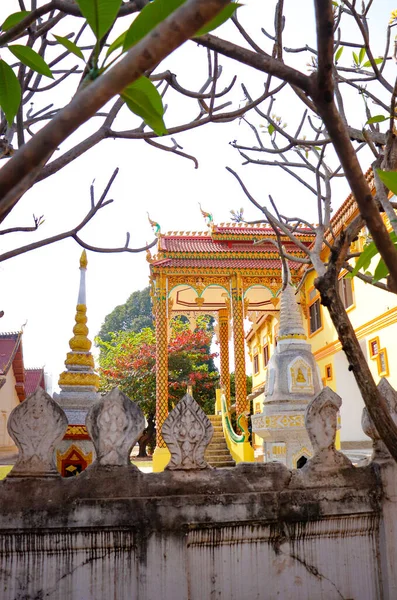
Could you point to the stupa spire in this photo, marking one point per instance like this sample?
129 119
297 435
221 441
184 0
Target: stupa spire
80 362
291 324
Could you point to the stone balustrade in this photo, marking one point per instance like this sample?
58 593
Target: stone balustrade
326 531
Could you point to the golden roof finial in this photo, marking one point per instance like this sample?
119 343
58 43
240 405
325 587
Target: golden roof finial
207 216
83 260
155 226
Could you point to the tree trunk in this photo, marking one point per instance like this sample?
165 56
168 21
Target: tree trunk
145 438
375 403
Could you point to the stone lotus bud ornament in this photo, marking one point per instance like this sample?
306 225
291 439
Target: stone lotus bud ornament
114 423
380 452
187 431
321 421
37 425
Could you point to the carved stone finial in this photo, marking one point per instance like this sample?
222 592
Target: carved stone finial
380 452
114 423
187 431
37 425
321 421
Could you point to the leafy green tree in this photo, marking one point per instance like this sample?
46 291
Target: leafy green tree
134 315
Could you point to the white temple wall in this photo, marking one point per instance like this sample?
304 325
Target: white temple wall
353 404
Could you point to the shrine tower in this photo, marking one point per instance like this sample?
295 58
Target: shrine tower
79 390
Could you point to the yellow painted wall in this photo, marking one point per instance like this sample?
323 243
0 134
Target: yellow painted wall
8 401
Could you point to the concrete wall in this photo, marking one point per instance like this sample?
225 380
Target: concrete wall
258 531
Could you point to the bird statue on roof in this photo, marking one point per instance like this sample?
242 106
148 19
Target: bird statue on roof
208 216
155 226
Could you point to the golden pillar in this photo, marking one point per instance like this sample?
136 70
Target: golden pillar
161 454
223 327
242 405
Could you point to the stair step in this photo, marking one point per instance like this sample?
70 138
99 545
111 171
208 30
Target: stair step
225 456
217 453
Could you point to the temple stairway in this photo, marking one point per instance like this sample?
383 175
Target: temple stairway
217 453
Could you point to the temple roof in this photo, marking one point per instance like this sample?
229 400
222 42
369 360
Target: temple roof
224 263
227 246
9 345
33 379
26 380
178 244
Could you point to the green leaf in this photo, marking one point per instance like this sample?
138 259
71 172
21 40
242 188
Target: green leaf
377 61
100 14
220 18
338 53
377 119
361 56
365 258
31 59
118 43
389 178
371 250
150 16
355 57
381 271
143 99
270 129
10 92
14 19
71 46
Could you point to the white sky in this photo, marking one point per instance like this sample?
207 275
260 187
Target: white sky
40 288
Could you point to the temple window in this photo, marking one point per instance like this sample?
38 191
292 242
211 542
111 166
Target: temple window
346 292
256 362
383 363
265 355
328 372
373 347
314 311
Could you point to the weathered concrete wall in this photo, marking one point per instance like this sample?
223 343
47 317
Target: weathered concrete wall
256 531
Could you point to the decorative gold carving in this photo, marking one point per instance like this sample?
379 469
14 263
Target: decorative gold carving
199 302
300 377
197 283
275 301
80 341
161 362
76 431
246 305
80 358
242 405
278 421
78 378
